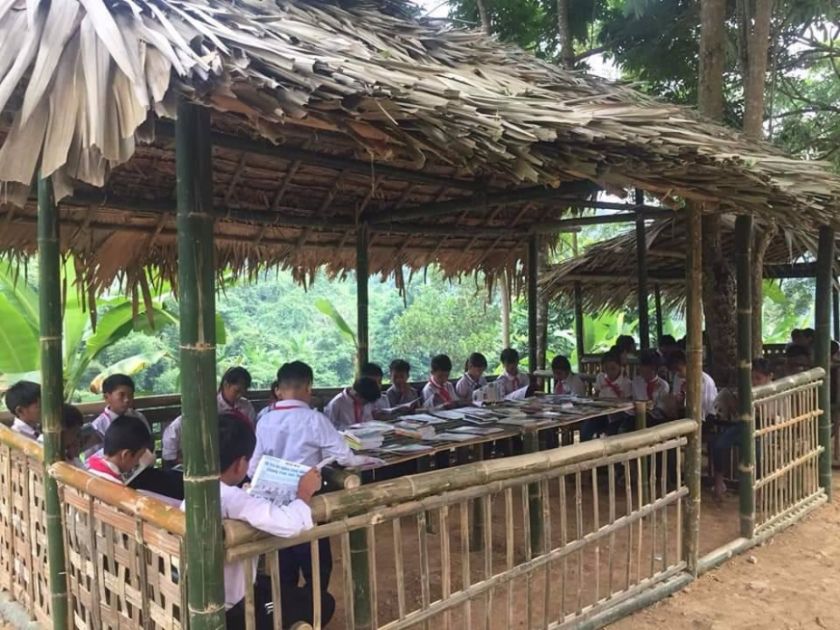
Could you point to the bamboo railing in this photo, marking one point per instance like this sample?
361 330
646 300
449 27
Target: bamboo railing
787 447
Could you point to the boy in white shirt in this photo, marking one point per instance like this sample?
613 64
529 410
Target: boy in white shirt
708 388
118 392
400 392
354 404
566 382
236 446
127 444
23 400
649 387
511 378
473 378
610 384
439 392
294 431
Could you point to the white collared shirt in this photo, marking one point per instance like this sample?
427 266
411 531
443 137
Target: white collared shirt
659 389
708 393
104 419
572 385
397 397
295 432
240 405
19 426
507 383
621 388
466 386
285 522
341 410
432 396
171 439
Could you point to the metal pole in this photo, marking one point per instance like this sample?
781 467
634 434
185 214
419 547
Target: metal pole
658 306
52 392
196 295
694 330
642 272
822 348
533 270
362 276
581 349
746 447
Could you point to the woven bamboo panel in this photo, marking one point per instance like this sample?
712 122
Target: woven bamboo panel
23 566
122 572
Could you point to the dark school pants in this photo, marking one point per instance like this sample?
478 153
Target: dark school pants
296 602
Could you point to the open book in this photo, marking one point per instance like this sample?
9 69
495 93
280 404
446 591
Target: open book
276 479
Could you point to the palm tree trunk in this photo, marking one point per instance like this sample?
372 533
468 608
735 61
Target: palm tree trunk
564 35
719 297
483 16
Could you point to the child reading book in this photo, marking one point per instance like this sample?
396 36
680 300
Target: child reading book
126 447
473 378
439 391
400 392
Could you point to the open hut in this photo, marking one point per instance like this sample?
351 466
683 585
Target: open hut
196 136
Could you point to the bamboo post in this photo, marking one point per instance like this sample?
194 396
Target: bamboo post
530 443
694 347
822 348
640 409
362 275
657 293
533 270
746 446
581 349
835 307
360 570
52 392
196 295
642 275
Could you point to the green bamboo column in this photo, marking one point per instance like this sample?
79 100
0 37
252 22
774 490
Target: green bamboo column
822 348
694 352
660 324
579 338
52 391
362 276
533 270
196 295
642 274
746 445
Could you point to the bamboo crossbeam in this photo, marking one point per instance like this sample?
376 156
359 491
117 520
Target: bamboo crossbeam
548 227
18 442
786 384
792 465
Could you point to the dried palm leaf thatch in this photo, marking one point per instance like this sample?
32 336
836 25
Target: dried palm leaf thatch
606 271
85 84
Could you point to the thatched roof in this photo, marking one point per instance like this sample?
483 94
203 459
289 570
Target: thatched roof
607 271
328 114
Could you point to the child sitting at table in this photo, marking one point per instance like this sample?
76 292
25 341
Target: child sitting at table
439 391
292 430
473 378
566 382
23 400
511 378
708 388
649 387
273 397
610 384
400 392
127 445
118 392
236 446
71 428
354 404
797 359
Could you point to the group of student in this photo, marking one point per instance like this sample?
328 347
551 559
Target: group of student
118 442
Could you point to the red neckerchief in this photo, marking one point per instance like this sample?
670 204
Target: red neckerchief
616 389
279 406
516 381
98 463
441 391
358 406
651 388
560 388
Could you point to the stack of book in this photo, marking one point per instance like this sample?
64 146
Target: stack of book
363 439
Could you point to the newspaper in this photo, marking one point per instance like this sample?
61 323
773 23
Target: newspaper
276 479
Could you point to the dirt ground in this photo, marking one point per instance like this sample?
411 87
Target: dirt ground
791 582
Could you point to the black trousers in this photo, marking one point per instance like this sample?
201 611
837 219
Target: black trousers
296 602
296 562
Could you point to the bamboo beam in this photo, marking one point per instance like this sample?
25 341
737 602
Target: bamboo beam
601 219
533 271
579 337
746 466
822 348
657 297
362 277
52 392
196 294
694 352
642 275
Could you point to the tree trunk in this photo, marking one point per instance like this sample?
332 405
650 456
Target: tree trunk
755 74
564 35
484 17
712 58
504 292
719 297
763 238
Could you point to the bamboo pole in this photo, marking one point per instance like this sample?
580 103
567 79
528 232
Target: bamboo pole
746 467
642 275
52 392
822 348
196 294
660 324
533 271
362 276
835 308
530 442
640 410
694 347
579 338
